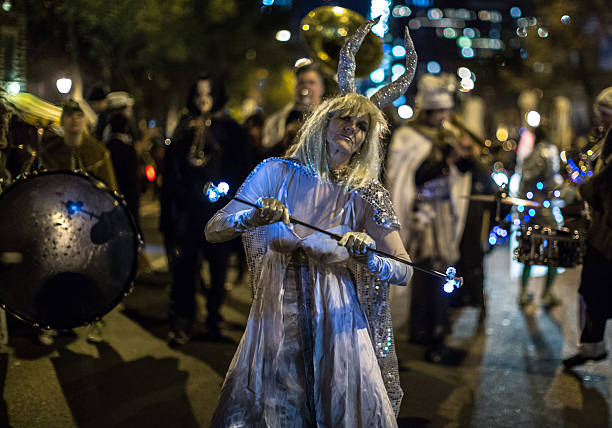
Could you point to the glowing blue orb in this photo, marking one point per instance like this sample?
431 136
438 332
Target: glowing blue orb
492 240
526 218
449 286
529 195
546 204
520 208
540 185
557 193
212 195
223 187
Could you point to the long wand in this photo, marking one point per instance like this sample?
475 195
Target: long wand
214 193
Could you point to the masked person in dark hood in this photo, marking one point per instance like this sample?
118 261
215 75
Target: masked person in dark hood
207 145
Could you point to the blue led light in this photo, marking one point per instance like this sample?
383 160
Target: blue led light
532 212
529 195
540 185
492 240
526 218
509 217
520 208
546 204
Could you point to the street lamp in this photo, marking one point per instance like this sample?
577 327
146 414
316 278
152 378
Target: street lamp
63 85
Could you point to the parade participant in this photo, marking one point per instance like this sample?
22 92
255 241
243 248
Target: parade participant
309 90
595 292
207 145
77 151
539 177
425 175
320 317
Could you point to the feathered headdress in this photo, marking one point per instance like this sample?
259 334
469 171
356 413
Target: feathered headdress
346 67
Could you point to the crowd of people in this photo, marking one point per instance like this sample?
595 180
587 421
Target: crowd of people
320 314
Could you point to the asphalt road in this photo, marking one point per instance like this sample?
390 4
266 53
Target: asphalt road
510 375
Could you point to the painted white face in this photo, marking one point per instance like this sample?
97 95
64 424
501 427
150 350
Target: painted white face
203 98
346 134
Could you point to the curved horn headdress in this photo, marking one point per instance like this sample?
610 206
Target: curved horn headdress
346 67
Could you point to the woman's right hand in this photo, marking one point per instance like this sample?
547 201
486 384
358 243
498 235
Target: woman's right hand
271 211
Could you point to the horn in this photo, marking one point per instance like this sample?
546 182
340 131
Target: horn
395 89
346 64
323 32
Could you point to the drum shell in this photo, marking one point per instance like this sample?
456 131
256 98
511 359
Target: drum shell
541 245
70 269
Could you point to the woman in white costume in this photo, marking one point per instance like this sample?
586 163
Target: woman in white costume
318 347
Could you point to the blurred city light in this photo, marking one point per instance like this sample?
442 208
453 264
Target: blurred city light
566 19
283 35
466 85
464 72
464 42
469 32
500 178
377 75
467 52
533 118
6 5
433 67
542 32
434 13
63 85
515 12
401 11
449 33
13 88
502 133
521 32
399 51
400 101
380 8
405 111
398 69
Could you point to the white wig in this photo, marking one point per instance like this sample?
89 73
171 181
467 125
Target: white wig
311 141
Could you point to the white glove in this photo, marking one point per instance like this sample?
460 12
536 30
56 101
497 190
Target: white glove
357 244
271 211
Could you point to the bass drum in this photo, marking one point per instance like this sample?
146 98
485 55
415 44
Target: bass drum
69 249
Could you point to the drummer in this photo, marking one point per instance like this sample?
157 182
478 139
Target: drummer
77 150
539 178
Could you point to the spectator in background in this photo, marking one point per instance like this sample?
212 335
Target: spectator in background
309 90
425 174
125 161
595 291
539 177
207 145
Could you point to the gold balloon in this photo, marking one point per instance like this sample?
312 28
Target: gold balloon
323 31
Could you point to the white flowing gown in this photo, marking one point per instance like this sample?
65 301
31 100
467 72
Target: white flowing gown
318 347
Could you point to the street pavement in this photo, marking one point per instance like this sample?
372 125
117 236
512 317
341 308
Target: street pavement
510 375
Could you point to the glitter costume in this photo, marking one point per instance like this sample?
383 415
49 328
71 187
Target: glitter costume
318 347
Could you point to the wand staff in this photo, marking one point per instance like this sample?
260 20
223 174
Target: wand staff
213 193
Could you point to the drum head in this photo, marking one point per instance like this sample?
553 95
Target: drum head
68 249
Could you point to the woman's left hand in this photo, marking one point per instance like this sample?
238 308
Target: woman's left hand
357 244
